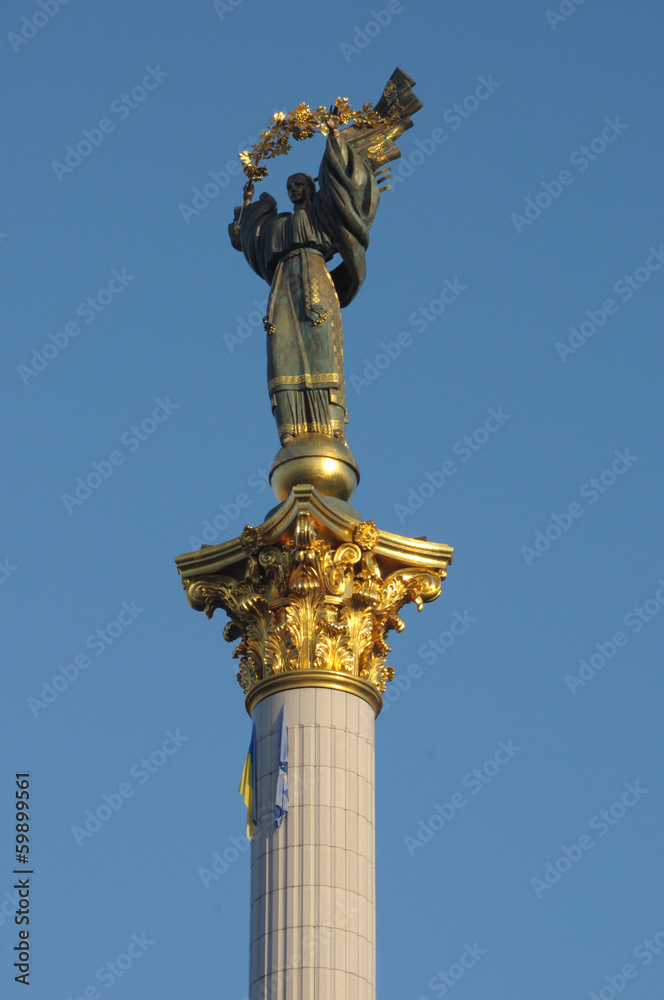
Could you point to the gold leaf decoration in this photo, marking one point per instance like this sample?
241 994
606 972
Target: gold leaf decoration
366 535
302 123
251 539
310 604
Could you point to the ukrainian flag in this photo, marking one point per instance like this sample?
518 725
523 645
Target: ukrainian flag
247 787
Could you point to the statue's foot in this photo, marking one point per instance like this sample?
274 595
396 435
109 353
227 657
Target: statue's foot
286 439
339 435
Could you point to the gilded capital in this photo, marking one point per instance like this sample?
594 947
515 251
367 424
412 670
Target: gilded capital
314 589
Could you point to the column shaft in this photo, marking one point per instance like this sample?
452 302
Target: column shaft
313 881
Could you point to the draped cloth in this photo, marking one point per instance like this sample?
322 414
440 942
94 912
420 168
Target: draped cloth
290 251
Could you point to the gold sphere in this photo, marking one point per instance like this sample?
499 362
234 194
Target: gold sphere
317 460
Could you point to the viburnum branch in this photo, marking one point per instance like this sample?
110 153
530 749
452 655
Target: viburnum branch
302 123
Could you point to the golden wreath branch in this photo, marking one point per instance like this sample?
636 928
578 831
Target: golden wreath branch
302 123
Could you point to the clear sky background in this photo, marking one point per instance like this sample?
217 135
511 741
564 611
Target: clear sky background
496 204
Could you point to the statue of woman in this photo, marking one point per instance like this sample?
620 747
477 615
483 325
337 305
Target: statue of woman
290 251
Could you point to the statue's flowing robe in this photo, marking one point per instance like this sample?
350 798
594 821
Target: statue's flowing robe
303 322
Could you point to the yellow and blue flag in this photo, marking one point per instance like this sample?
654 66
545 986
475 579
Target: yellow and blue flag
247 787
282 772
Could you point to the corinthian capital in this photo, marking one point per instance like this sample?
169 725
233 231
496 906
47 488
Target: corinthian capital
314 590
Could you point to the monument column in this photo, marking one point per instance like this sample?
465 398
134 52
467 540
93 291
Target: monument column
313 881
313 591
311 595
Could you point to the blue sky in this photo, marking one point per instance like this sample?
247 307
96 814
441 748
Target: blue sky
505 351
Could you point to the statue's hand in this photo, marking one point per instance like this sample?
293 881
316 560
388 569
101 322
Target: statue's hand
248 192
333 121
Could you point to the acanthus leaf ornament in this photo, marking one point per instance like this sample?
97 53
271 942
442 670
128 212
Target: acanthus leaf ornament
314 600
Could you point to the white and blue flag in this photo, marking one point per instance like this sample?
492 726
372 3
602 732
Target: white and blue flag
282 774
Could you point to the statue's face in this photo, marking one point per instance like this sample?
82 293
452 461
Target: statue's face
298 189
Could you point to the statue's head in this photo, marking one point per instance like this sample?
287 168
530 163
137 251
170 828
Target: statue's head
301 188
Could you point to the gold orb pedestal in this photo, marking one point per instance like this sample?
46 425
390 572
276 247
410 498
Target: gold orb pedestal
319 461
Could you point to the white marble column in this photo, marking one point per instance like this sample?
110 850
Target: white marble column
313 911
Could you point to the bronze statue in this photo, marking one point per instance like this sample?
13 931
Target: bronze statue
290 250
